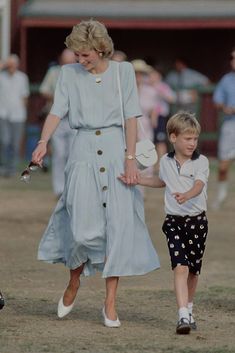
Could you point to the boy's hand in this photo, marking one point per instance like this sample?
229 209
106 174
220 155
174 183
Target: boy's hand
122 177
180 197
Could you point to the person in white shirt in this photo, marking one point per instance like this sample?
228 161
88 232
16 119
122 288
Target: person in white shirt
185 82
14 92
184 174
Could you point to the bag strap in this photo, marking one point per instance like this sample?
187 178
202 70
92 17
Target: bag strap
121 106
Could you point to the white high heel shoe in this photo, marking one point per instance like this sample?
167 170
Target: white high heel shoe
108 322
63 310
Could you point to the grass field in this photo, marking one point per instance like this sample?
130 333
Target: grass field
146 304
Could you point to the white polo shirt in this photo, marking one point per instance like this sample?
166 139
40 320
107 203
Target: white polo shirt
13 89
181 180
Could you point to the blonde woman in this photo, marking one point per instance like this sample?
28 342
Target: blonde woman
98 223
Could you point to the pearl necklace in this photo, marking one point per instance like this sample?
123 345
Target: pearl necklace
98 80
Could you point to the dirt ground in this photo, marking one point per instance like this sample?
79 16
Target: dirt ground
146 304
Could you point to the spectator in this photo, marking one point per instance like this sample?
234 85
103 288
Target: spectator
165 97
147 99
119 56
185 82
14 92
224 99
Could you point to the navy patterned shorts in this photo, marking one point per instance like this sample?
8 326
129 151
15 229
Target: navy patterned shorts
186 238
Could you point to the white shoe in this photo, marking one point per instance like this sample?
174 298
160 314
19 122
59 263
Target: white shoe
63 310
108 322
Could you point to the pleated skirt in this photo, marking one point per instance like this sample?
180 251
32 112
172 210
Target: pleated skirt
99 221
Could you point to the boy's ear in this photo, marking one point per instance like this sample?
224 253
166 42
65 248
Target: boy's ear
172 138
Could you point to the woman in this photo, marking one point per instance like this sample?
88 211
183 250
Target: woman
98 223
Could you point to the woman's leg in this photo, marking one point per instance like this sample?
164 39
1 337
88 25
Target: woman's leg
72 288
111 291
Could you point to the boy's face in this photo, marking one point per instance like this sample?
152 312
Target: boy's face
185 143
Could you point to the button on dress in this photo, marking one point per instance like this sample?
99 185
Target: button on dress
98 221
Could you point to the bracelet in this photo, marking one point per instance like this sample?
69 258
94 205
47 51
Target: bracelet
42 141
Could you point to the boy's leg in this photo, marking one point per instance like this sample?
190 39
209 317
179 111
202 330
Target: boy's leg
181 287
173 227
192 285
197 229
181 292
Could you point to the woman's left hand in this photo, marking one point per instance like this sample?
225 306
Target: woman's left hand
131 172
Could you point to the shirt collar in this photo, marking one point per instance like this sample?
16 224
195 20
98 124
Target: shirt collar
195 155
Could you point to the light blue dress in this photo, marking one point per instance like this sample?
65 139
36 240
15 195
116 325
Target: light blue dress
98 220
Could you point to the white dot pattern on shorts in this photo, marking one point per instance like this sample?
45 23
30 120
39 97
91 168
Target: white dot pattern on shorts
186 240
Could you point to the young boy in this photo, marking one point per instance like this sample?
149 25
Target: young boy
184 173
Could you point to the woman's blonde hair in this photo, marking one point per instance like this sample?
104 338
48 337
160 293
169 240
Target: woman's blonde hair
90 35
183 122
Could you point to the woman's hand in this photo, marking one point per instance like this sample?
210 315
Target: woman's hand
39 152
131 172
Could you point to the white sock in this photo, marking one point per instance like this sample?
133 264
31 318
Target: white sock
222 191
190 310
183 313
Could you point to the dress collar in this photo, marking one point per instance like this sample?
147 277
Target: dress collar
195 155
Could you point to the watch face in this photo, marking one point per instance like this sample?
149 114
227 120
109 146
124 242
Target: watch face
130 156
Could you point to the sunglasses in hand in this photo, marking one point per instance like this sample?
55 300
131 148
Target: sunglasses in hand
25 175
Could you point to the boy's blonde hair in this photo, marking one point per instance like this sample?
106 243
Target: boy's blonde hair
183 122
90 35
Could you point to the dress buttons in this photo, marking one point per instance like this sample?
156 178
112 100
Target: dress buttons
104 204
98 132
102 169
104 188
100 152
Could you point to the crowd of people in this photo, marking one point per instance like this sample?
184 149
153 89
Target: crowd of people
102 227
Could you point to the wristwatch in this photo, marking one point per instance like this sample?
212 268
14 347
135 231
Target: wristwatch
130 157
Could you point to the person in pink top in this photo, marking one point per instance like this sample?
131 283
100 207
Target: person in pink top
147 98
148 101
165 97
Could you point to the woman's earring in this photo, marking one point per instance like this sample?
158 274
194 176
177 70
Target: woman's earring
100 54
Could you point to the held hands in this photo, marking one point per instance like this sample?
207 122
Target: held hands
131 173
39 152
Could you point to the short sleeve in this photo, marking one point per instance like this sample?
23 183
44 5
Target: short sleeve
131 107
202 170
161 173
60 105
200 79
219 94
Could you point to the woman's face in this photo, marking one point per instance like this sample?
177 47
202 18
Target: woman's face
89 59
